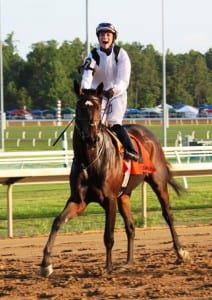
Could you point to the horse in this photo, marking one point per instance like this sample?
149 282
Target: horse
97 174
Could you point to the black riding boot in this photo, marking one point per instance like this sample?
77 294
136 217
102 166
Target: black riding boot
122 134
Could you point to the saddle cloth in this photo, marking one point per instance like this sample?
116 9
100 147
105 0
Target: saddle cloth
135 167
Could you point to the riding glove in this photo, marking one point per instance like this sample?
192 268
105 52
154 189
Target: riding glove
109 93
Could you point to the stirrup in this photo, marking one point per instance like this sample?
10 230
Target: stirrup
131 155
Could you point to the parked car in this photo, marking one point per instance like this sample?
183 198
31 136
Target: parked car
150 114
68 113
132 113
37 114
19 114
50 113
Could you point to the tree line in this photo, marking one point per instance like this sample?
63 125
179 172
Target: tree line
48 73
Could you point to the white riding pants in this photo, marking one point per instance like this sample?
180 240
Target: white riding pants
113 110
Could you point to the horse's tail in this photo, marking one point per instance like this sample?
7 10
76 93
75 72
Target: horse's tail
179 189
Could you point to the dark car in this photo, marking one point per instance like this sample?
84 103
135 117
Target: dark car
150 114
132 113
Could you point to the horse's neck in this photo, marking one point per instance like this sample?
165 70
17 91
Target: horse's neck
103 151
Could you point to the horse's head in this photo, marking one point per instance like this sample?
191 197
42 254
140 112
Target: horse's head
88 113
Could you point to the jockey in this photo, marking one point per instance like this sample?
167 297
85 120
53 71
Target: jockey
111 65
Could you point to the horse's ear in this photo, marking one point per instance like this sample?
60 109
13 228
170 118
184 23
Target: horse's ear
100 89
77 88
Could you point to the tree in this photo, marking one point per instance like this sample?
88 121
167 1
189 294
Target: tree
71 55
134 52
150 85
197 77
24 100
12 66
176 79
48 73
208 58
48 82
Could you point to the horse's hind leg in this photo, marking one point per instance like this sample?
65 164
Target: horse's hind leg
70 211
125 211
161 190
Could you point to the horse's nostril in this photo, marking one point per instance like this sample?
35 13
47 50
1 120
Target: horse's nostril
92 124
91 141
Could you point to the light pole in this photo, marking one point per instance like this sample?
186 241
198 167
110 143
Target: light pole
165 115
87 30
1 92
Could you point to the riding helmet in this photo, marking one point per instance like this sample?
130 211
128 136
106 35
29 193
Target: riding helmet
106 27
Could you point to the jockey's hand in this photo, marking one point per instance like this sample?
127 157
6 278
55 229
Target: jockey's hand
109 93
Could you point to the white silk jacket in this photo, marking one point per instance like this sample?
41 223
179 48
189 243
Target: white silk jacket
112 74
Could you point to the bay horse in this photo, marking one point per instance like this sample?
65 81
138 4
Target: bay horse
97 175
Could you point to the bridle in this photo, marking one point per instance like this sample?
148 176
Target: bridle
88 119
89 126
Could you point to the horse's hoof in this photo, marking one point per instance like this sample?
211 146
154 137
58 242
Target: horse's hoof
46 271
184 255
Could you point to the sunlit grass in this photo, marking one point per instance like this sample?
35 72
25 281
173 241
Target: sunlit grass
35 206
44 134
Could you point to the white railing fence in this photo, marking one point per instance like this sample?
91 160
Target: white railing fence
51 166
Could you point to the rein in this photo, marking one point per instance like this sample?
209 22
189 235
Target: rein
64 130
85 168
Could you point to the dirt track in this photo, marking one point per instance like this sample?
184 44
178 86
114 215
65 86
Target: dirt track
78 262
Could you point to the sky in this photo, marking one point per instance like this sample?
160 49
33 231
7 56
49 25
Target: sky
187 23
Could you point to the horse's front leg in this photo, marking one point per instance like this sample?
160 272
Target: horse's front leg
110 217
125 211
70 211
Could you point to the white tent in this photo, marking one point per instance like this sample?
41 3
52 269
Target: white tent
160 106
151 109
188 111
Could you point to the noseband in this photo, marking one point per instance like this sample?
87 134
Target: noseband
88 119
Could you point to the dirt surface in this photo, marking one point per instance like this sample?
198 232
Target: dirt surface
78 261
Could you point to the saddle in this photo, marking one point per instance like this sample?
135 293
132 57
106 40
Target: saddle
134 167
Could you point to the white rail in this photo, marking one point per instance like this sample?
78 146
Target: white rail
200 153
17 168
35 159
28 159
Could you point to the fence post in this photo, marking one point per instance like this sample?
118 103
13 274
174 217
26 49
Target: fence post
18 142
179 141
10 210
144 202
184 178
65 148
39 134
58 112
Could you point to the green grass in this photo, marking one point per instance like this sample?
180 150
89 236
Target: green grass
199 131
49 134
35 206
44 138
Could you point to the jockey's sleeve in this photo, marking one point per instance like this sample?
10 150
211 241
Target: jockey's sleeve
88 71
123 73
